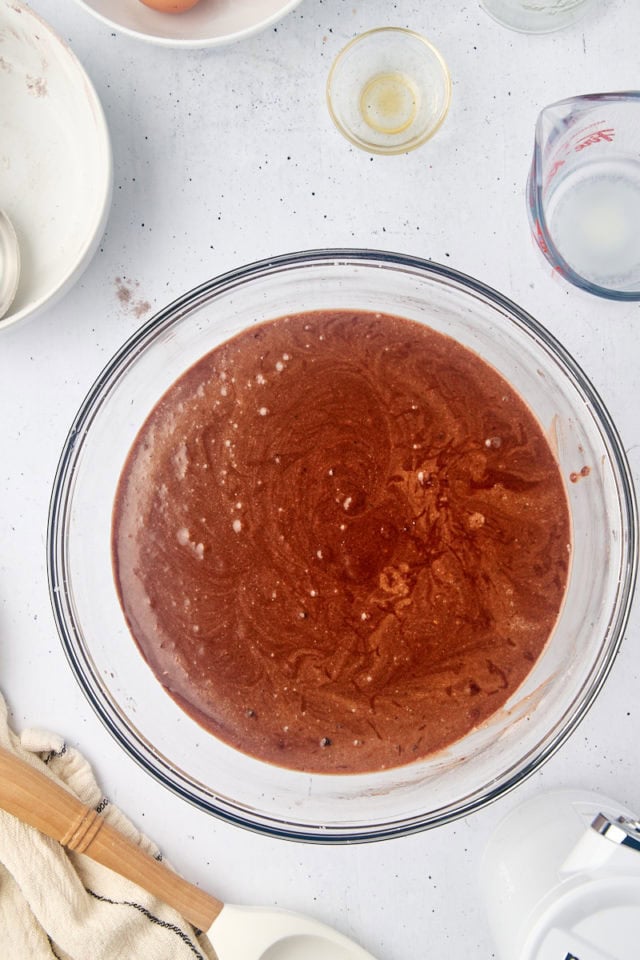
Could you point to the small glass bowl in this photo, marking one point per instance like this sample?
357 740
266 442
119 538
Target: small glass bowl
388 90
545 16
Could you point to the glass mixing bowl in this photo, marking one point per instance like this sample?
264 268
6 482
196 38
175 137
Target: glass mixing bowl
493 758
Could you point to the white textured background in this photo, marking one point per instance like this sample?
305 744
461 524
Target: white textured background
226 156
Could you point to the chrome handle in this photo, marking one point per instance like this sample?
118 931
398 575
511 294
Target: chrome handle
621 830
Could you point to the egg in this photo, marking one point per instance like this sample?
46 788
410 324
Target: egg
170 6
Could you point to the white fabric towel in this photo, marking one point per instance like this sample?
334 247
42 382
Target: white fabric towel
56 903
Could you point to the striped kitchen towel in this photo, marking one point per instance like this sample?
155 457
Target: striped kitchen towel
56 903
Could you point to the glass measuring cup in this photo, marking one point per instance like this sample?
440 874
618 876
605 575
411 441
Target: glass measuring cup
584 192
536 16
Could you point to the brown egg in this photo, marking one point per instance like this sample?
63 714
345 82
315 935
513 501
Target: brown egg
170 6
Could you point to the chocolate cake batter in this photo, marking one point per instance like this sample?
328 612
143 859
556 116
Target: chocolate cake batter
341 541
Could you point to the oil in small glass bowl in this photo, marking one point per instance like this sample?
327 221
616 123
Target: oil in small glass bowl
388 90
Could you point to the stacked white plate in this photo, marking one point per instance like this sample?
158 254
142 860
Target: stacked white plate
55 163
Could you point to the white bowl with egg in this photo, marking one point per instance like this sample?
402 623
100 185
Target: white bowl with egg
183 23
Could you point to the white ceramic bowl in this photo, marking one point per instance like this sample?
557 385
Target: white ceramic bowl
492 759
210 23
55 159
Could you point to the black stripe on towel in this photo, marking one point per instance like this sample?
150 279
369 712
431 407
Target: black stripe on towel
51 947
147 913
55 753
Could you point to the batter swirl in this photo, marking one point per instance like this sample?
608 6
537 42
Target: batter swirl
341 541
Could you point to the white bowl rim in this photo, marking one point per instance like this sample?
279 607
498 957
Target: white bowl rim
197 43
103 181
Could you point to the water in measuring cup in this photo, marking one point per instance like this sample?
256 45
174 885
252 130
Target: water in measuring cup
593 216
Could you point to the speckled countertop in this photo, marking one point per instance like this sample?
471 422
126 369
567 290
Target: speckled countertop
229 155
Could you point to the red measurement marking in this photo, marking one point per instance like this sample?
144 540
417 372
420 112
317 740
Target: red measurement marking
542 243
605 135
540 239
552 172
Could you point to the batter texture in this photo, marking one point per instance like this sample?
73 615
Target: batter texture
341 541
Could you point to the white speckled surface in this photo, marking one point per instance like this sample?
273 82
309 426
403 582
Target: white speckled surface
229 155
